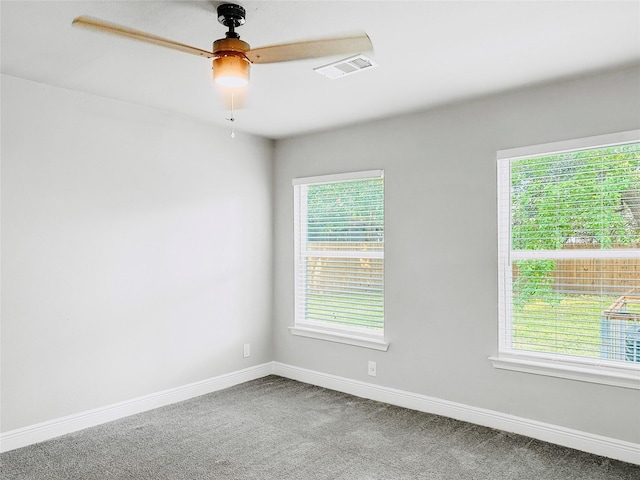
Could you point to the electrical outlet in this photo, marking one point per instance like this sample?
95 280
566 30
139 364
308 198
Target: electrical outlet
371 370
247 350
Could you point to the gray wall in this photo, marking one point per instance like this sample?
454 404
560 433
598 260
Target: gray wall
441 248
136 252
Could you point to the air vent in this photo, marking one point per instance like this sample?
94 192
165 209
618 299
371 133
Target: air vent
347 66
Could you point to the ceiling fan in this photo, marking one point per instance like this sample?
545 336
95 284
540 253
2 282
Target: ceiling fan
232 57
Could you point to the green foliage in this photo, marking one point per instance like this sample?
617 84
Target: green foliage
575 196
579 197
351 211
534 280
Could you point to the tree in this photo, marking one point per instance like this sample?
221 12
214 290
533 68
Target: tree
582 197
350 211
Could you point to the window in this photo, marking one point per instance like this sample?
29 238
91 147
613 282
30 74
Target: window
339 258
569 259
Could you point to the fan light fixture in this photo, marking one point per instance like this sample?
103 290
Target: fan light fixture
230 64
231 71
232 57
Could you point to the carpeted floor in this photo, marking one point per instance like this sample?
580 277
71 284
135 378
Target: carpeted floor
279 429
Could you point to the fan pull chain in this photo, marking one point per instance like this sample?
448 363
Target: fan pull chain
232 118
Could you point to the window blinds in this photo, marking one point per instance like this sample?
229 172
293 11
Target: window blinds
570 253
339 233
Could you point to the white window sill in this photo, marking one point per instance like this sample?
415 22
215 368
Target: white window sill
341 337
626 377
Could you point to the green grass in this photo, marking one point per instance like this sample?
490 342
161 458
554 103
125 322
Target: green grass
555 326
538 326
365 311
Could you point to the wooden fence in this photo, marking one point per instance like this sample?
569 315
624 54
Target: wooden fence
584 275
589 275
360 273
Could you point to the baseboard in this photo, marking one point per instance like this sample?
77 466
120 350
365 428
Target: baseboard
587 442
54 428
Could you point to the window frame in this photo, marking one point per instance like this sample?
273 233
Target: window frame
590 370
312 329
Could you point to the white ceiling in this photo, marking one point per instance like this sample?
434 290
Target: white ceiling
429 52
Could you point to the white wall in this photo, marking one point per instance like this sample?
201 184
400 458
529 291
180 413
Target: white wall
441 248
136 252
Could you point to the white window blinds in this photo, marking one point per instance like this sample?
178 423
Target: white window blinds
339 251
570 254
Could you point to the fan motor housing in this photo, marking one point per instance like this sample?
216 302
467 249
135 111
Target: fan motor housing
230 45
231 15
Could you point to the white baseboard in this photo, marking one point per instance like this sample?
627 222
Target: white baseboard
587 442
40 432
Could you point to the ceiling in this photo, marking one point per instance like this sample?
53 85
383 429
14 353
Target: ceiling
429 53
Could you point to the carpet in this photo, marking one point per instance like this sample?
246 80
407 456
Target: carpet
281 429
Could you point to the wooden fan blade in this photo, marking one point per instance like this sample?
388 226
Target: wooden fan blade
311 49
107 27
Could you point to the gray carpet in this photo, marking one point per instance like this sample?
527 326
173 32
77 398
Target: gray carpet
275 428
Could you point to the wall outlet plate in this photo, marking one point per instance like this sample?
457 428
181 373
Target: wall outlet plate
246 350
371 369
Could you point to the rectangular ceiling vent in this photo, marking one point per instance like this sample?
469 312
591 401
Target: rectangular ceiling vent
345 67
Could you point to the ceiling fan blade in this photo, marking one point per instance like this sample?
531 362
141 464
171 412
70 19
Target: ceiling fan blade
107 27
311 49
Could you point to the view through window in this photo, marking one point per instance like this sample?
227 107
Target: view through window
339 232
570 254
